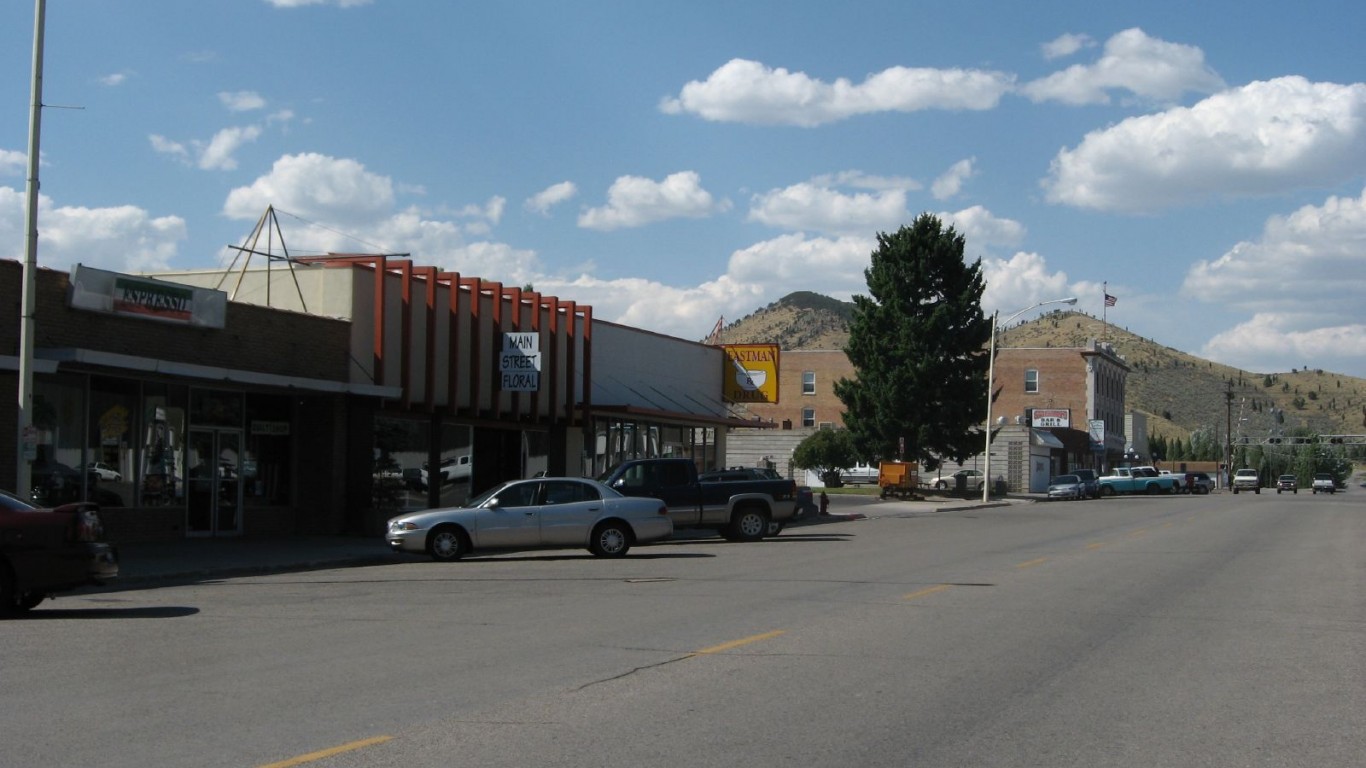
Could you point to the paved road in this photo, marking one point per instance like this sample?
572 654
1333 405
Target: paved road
1172 631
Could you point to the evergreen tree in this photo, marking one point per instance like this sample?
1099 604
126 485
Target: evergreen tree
918 346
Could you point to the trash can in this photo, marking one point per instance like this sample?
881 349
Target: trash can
960 485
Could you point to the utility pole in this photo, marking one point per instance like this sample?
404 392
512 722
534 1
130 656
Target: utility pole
25 438
1228 430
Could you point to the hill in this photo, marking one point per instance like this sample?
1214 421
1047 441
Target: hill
1179 392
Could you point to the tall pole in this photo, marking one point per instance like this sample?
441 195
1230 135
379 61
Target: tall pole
23 439
991 372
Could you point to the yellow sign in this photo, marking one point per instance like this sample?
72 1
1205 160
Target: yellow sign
751 374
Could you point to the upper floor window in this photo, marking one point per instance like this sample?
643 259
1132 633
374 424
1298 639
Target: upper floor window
1032 380
808 417
808 382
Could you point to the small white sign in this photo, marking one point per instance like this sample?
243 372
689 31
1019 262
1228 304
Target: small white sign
520 362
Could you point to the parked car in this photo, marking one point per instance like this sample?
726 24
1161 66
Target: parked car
1247 479
1199 482
45 551
1090 482
973 478
1066 487
104 471
1287 483
1324 482
528 514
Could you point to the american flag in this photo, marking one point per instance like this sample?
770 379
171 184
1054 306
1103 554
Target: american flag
1110 300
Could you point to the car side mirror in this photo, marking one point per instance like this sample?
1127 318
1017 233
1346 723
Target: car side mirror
492 503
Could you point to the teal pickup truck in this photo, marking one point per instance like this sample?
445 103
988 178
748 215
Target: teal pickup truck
1138 480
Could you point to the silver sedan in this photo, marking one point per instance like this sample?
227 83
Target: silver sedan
529 514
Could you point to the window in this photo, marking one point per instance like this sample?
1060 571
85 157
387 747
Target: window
808 417
826 425
1032 380
808 382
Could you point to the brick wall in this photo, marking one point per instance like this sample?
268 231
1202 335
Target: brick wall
829 365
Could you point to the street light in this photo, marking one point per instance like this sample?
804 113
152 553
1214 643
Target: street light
991 371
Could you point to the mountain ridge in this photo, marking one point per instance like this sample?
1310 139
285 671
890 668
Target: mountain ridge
1179 392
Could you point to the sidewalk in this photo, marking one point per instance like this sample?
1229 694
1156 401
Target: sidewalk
187 560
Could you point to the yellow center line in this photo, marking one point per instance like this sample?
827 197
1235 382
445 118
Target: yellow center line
737 643
322 753
926 591
1095 545
1032 563
1139 532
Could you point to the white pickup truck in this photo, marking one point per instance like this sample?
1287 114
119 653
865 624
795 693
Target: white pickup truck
1246 479
1323 481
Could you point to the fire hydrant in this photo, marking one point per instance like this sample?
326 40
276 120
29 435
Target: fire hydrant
825 503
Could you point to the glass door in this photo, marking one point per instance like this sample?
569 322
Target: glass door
213 486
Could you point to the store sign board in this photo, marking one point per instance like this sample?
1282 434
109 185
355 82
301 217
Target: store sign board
519 362
751 373
99 291
1051 417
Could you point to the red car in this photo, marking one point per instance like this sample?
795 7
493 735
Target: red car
44 551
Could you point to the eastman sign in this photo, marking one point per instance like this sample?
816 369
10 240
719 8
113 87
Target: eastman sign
751 373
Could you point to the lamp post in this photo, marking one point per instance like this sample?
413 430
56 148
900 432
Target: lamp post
991 372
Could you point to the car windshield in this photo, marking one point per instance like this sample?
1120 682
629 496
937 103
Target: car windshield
1066 480
14 503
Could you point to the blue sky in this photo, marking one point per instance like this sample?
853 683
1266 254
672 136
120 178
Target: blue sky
674 163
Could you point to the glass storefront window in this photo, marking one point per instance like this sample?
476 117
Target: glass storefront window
57 476
265 464
111 448
400 455
457 463
162 465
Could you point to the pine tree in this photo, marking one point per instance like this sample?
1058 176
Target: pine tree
918 346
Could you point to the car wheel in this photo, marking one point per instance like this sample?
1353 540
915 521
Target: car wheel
1258 491
29 600
447 543
1278 491
1106 490
749 524
611 538
774 528
1153 489
941 485
6 589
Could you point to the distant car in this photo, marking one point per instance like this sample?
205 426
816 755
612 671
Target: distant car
54 483
1324 483
529 514
973 478
1066 487
1287 483
104 471
1090 482
45 551
1247 479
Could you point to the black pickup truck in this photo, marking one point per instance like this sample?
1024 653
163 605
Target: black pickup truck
740 510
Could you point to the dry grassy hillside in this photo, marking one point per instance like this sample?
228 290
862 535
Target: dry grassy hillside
1179 392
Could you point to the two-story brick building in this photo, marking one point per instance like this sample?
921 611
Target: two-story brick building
1051 400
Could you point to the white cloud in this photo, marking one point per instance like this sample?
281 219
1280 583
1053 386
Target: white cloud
749 92
217 155
951 181
122 238
13 162
551 196
241 101
316 187
1272 342
634 201
1149 68
165 146
1021 281
1263 138
1066 45
113 79
982 229
810 206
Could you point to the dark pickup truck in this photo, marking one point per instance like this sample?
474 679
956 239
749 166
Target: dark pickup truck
740 510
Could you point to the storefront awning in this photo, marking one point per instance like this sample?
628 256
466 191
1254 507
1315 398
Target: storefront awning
209 373
1046 439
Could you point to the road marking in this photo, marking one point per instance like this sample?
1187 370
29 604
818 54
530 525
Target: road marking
1032 563
1139 532
926 591
1095 545
737 643
322 753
